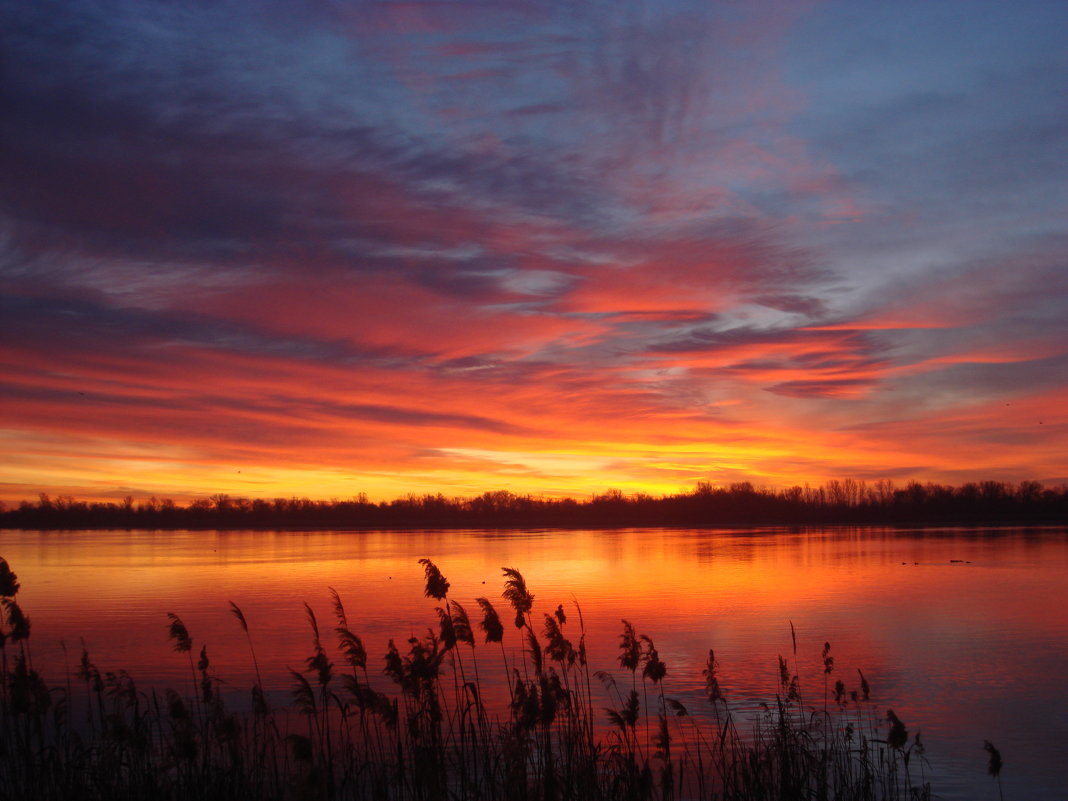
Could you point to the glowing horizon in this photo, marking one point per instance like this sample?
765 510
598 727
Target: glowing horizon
413 248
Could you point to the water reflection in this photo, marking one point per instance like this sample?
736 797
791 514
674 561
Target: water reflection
962 632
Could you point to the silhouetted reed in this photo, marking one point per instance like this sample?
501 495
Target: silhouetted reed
439 734
994 763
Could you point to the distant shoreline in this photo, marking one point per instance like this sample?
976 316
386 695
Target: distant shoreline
845 503
430 527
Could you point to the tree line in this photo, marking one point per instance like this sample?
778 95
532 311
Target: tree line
845 502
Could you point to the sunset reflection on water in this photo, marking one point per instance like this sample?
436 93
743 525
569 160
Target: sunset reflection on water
963 633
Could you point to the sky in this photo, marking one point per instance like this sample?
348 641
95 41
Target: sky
324 248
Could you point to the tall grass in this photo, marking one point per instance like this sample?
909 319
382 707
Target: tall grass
427 726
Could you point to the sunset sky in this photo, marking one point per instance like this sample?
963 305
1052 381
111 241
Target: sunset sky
324 248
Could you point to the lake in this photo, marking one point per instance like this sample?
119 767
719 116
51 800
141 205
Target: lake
962 632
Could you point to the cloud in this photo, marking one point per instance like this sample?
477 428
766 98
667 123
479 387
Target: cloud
394 241
841 388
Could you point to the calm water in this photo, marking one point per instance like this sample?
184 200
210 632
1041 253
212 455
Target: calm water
964 633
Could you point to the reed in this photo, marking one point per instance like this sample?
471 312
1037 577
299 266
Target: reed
436 734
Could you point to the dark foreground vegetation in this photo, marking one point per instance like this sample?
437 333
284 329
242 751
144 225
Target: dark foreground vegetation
838 502
435 733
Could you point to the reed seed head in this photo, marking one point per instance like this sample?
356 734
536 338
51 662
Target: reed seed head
677 707
9 585
630 648
320 664
994 763
898 735
712 688
606 679
630 710
394 667
339 609
303 695
551 695
461 624
20 624
558 648
535 650
446 627
179 633
491 621
516 593
865 689
235 610
437 587
352 647
654 669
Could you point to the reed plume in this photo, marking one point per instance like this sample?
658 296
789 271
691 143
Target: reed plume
17 621
235 610
437 586
865 688
712 689
655 669
557 647
461 624
494 630
898 735
491 621
516 593
630 648
179 633
994 764
9 584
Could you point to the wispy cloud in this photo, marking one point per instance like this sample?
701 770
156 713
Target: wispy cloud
543 247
